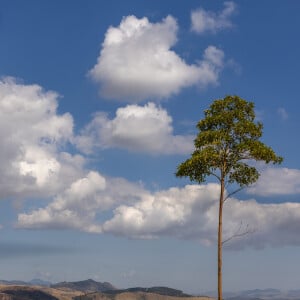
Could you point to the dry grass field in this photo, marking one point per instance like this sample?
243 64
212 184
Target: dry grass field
137 296
17 292
11 292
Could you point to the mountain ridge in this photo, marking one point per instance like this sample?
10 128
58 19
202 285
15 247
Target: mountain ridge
105 290
88 285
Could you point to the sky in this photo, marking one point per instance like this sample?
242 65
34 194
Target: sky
99 102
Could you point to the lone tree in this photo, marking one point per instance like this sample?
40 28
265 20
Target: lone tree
228 139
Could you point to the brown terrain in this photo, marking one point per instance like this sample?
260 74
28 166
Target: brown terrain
18 292
136 296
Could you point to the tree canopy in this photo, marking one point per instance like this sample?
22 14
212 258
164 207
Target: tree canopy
228 139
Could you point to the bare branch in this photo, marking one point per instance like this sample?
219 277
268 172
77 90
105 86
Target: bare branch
239 233
234 192
215 175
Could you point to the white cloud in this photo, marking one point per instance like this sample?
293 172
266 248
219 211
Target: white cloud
32 135
145 128
32 163
136 62
282 113
77 207
66 209
277 181
206 21
273 224
190 212
172 212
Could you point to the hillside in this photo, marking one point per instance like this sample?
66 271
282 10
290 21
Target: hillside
89 290
21 292
161 290
135 296
88 285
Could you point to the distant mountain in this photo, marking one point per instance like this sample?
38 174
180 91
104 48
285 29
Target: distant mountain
242 298
39 282
85 286
90 285
264 294
259 294
13 282
294 293
160 290
38 289
97 290
136 296
26 283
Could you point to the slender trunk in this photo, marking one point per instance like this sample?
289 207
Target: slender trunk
221 201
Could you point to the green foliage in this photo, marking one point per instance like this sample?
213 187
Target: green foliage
228 139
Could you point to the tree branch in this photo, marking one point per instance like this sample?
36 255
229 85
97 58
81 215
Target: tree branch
239 233
218 177
232 193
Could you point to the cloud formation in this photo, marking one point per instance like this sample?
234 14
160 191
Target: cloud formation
136 62
33 164
277 181
136 128
190 212
77 206
207 21
32 135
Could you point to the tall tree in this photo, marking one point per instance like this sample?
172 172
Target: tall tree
228 139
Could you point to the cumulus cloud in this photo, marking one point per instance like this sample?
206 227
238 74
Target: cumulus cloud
190 212
171 212
66 209
272 224
136 62
32 163
136 128
277 181
32 135
206 21
77 207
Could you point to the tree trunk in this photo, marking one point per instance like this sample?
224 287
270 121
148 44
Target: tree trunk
221 201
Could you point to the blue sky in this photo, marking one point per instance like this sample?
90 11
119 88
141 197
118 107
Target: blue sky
98 105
